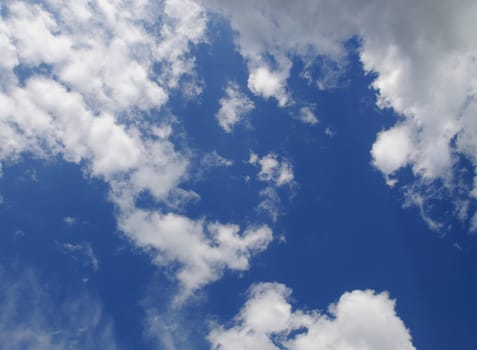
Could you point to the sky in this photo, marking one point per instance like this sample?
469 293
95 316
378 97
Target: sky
208 174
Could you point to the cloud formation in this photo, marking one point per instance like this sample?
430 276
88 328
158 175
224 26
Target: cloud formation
233 107
81 80
274 169
422 57
202 249
361 320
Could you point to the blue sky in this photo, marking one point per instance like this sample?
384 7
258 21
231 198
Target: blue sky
186 174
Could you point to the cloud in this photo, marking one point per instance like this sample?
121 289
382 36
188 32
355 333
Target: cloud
361 320
83 253
393 149
270 202
270 33
202 250
307 116
80 80
233 107
274 169
266 83
213 160
473 225
34 317
422 58
69 220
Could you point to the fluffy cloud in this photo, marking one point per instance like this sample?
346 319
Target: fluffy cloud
361 320
423 57
81 80
203 250
271 32
32 317
266 83
273 169
233 107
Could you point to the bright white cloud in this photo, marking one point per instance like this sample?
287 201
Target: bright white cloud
274 169
201 249
266 83
361 320
393 149
233 107
423 57
91 74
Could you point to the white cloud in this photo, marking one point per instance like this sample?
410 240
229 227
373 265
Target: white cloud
307 116
361 320
393 149
32 317
270 32
93 73
274 169
203 250
266 83
233 107
422 57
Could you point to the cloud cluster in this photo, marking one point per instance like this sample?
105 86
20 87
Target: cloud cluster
276 172
422 55
361 320
88 81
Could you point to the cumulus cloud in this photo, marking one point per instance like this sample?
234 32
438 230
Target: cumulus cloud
32 317
274 169
422 57
266 83
80 80
361 320
203 250
269 33
233 107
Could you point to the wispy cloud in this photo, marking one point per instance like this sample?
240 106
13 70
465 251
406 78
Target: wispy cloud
32 317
